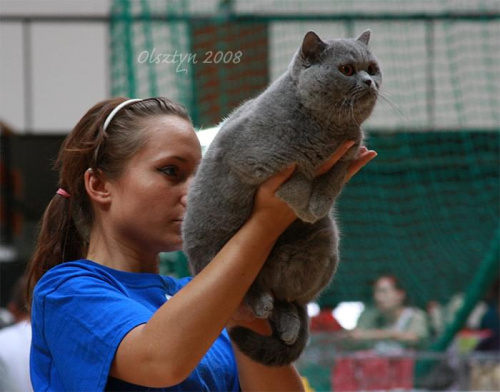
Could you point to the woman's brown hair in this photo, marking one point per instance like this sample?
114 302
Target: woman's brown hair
66 223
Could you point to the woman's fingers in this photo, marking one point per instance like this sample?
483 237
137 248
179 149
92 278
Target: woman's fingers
364 157
362 150
244 317
339 153
243 313
274 182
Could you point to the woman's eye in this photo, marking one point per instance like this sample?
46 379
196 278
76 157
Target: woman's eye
347 70
171 171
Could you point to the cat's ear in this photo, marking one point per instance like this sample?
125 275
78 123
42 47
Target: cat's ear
364 37
312 46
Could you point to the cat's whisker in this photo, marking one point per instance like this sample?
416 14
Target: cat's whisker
343 109
346 106
338 105
391 105
354 117
334 108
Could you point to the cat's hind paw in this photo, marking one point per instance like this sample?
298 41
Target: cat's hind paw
289 327
290 336
262 306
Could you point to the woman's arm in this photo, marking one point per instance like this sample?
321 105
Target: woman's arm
165 350
254 376
384 334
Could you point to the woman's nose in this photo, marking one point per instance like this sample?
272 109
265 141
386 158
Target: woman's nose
184 200
185 191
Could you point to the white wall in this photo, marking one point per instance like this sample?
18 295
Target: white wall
51 72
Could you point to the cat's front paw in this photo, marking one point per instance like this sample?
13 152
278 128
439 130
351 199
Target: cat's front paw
320 205
296 193
306 216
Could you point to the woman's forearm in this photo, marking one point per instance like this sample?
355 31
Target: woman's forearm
384 334
172 343
406 336
257 377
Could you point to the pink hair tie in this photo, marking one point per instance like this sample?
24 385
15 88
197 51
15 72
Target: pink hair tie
63 193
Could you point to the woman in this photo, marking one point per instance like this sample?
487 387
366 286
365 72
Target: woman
391 324
102 317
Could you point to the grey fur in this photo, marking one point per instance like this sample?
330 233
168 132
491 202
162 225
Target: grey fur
302 117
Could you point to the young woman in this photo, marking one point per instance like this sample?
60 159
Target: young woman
103 319
391 323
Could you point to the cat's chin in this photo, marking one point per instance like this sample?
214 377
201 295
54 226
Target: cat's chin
366 103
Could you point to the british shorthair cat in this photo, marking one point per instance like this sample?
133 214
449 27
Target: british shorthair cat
329 89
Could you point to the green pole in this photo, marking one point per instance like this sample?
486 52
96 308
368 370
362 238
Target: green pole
149 44
481 281
129 49
485 275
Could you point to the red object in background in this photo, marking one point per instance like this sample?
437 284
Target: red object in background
324 322
368 371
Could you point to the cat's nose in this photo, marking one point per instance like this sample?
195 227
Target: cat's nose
368 82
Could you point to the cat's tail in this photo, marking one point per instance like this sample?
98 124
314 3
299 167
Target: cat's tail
272 350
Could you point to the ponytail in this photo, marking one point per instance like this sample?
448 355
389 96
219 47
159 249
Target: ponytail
58 241
67 221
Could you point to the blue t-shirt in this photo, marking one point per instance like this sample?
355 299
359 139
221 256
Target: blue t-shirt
80 313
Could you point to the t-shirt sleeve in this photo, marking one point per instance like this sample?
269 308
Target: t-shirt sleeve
367 319
6 384
85 318
419 324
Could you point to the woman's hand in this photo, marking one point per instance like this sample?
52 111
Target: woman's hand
273 213
255 376
276 212
244 317
279 214
363 158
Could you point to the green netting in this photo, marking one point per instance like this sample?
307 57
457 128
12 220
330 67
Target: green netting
427 209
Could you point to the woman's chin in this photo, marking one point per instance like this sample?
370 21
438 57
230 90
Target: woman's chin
174 245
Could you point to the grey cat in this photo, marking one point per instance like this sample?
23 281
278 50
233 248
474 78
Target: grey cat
329 89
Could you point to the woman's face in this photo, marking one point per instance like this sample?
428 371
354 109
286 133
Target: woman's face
149 199
387 296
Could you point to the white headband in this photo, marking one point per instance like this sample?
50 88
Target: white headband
117 109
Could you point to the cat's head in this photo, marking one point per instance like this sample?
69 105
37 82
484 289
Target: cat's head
339 77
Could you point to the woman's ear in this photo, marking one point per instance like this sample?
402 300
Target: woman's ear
97 187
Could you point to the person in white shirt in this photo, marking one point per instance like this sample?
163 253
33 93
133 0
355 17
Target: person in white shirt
15 342
391 323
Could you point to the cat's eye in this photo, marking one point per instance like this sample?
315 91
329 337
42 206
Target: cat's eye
347 70
372 69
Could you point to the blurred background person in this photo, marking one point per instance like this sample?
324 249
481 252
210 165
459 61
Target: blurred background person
15 341
390 324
